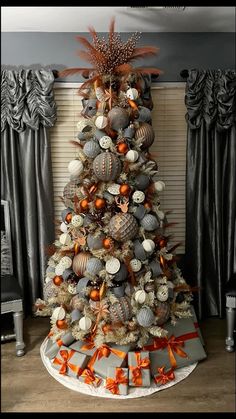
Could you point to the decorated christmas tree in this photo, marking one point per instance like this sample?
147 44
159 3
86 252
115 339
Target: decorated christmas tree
112 283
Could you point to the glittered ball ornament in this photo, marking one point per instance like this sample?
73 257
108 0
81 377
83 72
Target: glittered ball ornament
95 242
75 167
101 122
144 135
94 294
159 186
140 296
149 222
85 323
124 189
105 142
138 197
61 324
142 181
144 114
148 245
123 227
79 263
122 148
121 311
107 166
145 317
112 265
77 220
135 265
99 203
94 266
162 293
132 156
66 262
118 118
91 149
162 312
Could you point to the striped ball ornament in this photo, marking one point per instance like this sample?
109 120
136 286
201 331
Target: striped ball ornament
107 166
144 135
121 311
80 262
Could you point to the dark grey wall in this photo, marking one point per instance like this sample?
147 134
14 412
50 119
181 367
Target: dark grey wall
215 50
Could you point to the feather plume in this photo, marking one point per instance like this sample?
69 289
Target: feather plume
111 29
75 70
143 52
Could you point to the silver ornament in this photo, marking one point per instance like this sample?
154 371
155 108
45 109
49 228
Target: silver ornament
91 149
149 222
94 266
118 118
138 197
122 274
142 181
112 265
145 317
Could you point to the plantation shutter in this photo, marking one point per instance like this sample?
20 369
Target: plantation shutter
169 149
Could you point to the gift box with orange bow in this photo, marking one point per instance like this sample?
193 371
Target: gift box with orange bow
139 369
52 347
70 362
181 347
88 377
117 381
164 376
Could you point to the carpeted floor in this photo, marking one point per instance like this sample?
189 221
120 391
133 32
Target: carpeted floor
27 387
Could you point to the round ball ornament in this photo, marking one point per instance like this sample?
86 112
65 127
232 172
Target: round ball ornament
85 125
114 189
159 186
122 148
105 142
122 274
149 222
79 263
65 239
140 296
75 167
139 251
118 118
144 135
63 227
145 317
84 204
66 215
123 227
94 294
139 211
107 243
66 262
101 122
144 114
59 269
94 266
132 156
82 284
124 189
148 245
107 166
112 265
121 311
138 197
91 149
77 220
58 313
99 203
162 312
132 93
142 181
95 242
162 293
85 323
57 280
136 265
61 324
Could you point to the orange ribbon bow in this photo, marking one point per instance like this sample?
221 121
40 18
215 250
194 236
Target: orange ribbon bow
137 370
164 377
65 364
112 384
104 351
90 378
173 344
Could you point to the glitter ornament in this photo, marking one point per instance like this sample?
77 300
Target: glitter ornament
94 266
114 189
148 245
66 262
85 323
75 167
162 293
149 222
132 156
112 265
91 149
105 142
136 265
101 122
138 197
123 227
77 220
140 296
145 317
107 166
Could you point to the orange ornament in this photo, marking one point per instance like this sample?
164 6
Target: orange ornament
76 248
124 189
162 243
122 148
107 328
68 217
84 204
94 295
57 280
61 324
99 203
107 243
147 205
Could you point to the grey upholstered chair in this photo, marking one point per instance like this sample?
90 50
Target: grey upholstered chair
231 313
11 297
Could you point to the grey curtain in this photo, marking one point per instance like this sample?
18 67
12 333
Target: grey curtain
210 186
28 110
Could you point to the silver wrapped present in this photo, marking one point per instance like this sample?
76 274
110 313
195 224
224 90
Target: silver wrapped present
52 347
70 362
139 369
117 380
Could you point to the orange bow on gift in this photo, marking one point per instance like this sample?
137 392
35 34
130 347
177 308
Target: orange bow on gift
164 377
104 351
112 384
65 364
137 370
90 378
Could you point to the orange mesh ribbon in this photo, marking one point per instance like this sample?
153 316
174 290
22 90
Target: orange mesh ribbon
65 364
112 384
137 370
164 377
90 377
173 344
102 351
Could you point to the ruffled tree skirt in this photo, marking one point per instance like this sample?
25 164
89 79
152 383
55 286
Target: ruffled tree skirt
76 385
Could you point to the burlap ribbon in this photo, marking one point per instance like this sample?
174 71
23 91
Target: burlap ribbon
136 370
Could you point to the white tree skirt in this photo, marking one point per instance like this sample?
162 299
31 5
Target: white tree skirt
76 385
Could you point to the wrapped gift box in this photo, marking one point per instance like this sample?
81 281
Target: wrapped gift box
85 347
52 347
139 369
88 377
195 320
70 362
108 356
117 380
163 377
181 347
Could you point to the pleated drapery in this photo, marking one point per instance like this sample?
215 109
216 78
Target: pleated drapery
211 186
28 110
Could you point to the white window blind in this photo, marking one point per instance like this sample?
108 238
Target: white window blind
169 149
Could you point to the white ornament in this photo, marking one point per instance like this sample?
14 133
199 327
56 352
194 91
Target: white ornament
75 167
113 266
58 313
159 186
140 296
136 265
138 197
148 245
114 189
105 142
132 93
162 293
132 156
66 262
101 122
59 269
63 227
77 220
85 323
65 239
72 289
85 125
47 279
